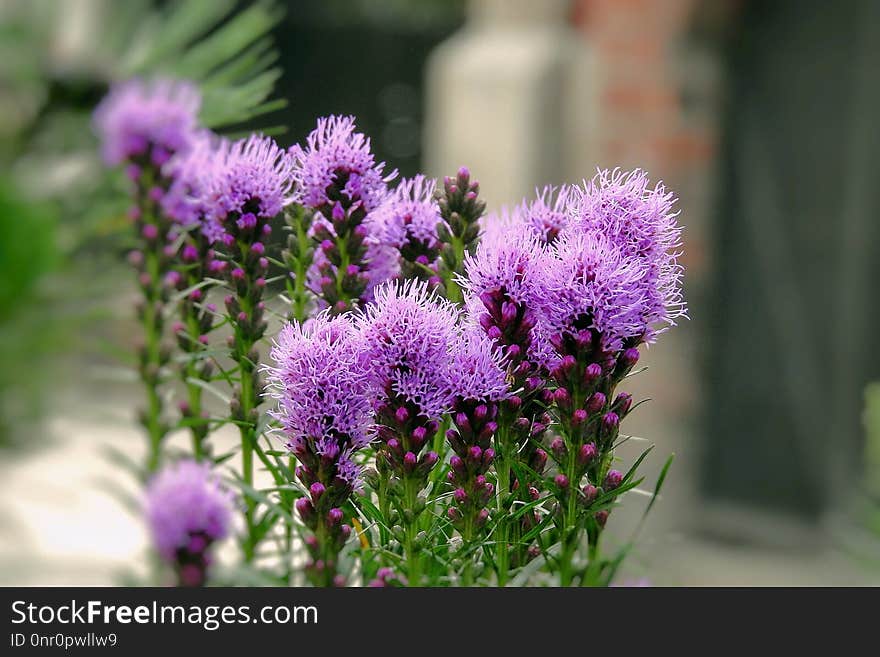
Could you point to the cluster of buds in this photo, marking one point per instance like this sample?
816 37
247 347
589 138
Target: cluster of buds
475 425
460 210
322 470
590 413
340 256
386 577
401 459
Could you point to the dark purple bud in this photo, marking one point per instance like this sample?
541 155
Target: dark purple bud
480 412
592 373
460 495
590 493
189 253
514 402
622 403
596 403
629 357
334 516
539 460
475 454
150 232
429 459
456 463
610 422
514 351
238 274
419 434
338 212
257 248
494 333
587 453
601 517
613 479
561 481
481 518
557 446
305 509
488 457
409 461
562 398
401 415
579 417
316 490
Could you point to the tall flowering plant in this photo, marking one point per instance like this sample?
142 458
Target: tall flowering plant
442 401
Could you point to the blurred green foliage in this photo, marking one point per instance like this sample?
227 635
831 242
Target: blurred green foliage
62 223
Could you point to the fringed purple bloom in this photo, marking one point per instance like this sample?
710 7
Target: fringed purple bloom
546 215
188 510
641 221
250 184
190 172
337 161
339 182
591 285
407 222
408 330
146 122
325 409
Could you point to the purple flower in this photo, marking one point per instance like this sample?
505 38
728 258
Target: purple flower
323 390
476 370
147 121
190 172
592 288
505 287
338 165
546 215
642 223
187 507
408 219
408 330
252 177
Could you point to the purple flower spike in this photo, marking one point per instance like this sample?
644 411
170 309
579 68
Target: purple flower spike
146 121
338 162
188 510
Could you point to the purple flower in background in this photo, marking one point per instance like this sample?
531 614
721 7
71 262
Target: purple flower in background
187 510
642 223
190 172
407 222
146 122
546 215
408 330
337 164
338 180
251 181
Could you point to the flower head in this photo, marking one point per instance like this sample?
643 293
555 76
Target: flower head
323 391
593 286
408 218
476 370
337 165
251 176
408 330
190 171
642 223
185 502
147 119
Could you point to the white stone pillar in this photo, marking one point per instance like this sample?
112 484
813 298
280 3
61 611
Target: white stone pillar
511 95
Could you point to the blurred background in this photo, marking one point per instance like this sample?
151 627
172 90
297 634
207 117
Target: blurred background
759 114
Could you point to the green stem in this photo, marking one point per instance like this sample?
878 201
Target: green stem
502 473
247 430
411 554
453 291
152 340
299 297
